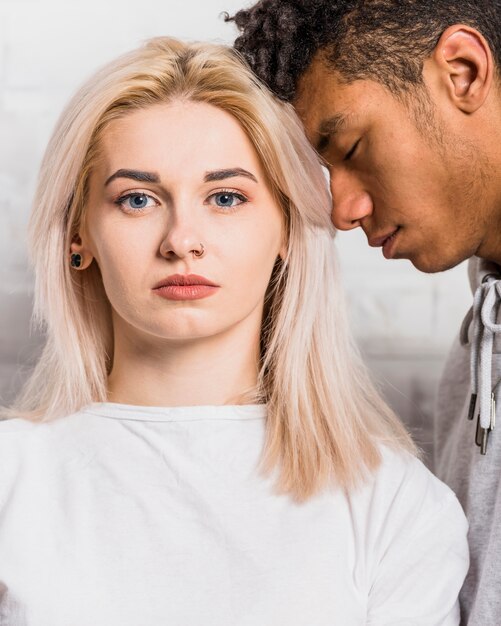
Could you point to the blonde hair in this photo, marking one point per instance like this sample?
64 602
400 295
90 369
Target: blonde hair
326 421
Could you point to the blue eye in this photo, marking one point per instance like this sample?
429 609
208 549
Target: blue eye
227 199
136 202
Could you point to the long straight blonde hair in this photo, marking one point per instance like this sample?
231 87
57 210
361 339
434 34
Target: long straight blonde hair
326 421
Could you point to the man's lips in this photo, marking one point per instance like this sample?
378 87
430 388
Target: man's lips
376 242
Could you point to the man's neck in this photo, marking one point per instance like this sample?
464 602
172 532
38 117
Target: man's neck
490 249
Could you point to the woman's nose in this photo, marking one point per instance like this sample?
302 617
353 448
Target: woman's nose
182 240
351 203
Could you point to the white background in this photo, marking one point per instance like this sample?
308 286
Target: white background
403 319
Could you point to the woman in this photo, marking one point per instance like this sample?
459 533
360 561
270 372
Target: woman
199 443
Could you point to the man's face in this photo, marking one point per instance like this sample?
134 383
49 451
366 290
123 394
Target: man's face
409 180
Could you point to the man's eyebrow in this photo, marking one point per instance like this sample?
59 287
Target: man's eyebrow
333 124
143 177
228 173
327 128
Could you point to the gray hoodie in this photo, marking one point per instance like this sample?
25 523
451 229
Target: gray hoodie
468 451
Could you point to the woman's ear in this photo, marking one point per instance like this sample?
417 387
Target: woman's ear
463 65
80 255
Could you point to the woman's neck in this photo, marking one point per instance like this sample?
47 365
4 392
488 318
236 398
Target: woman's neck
211 371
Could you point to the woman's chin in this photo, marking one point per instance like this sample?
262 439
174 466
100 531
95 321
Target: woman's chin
183 333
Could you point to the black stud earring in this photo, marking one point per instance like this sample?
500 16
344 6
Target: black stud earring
76 260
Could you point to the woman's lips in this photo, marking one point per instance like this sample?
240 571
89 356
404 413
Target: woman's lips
185 287
186 292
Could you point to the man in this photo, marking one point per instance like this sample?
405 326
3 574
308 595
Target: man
402 100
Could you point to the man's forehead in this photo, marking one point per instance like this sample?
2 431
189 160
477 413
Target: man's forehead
311 87
327 104
320 107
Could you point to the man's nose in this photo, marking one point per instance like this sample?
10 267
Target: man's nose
351 203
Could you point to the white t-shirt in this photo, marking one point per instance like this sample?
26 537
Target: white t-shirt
145 516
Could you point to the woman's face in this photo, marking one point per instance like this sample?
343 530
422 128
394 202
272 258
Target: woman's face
173 180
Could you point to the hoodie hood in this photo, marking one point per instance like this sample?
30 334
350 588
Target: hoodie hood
481 330
478 269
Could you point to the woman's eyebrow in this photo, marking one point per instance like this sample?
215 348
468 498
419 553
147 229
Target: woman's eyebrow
143 177
151 177
228 173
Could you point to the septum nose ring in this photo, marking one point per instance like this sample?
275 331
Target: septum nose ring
199 253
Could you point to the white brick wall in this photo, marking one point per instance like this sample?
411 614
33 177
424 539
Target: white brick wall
404 320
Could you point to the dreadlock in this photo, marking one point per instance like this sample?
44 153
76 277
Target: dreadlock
384 40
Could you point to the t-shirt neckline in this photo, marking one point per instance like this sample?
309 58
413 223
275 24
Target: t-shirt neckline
115 410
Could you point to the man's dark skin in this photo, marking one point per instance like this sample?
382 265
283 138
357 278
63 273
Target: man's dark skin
437 187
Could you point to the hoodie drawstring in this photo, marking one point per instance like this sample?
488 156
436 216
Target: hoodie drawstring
484 314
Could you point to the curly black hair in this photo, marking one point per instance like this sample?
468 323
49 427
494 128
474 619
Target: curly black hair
384 40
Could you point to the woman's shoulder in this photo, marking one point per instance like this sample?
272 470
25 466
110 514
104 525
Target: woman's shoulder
14 426
24 441
403 474
23 429
19 441
34 451
14 432
400 468
404 491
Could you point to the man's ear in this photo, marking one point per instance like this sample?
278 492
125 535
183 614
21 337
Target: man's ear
463 65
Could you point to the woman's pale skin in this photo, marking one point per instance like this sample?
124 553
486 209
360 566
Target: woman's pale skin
205 185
